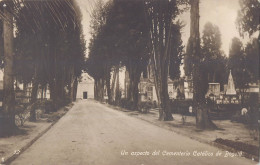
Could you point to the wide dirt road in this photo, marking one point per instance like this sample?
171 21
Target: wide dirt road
92 134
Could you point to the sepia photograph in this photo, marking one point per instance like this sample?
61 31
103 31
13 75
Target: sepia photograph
129 82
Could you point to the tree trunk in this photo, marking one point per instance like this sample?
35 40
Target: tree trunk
52 90
9 95
160 16
166 114
34 99
58 88
95 89
102 85
113 86
117 96
202 118
108 86
98 89
24 86
71 89
75 87
134 73
62 84
129 89
16 84
42 93
135 92
45 91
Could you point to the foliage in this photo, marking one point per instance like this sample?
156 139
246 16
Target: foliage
144 107
119 38
188 61
130 29
99 56
252 59
248 23
48 45
47 54
102 44
177 47
248 17
95 62
8 110
160 16
22 113
213 59
202 118
181 106
211 40
237 64
99 17
125 103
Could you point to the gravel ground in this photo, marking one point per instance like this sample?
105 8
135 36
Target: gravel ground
92 133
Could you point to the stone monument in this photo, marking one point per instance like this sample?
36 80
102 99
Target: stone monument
231 86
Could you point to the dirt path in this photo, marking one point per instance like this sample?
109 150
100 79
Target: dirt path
92 134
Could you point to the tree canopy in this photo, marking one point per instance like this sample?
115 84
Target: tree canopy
213 58
237 63
248 17
49 49
252 59
177 51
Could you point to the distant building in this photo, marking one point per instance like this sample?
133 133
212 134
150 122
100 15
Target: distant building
147 90
214 89
253 88
23 93
85 87
188 87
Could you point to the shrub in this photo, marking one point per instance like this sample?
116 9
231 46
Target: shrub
144 107
181 106
124 103
130 105
252 116
48 106
22 114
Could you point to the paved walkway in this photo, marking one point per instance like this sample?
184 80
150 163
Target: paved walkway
93 134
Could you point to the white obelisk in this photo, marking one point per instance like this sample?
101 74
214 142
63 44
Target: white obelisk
231 86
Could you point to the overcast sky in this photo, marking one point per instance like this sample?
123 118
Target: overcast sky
222 13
